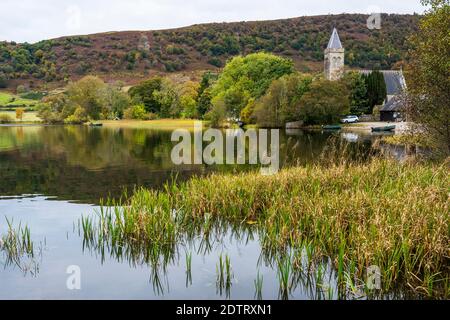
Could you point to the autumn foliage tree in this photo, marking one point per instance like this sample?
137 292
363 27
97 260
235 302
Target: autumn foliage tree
19 113
429 75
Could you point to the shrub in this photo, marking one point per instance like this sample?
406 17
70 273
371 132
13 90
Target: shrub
151 116
78 117
175 50
4 118
21 89
218 114
136 112
3 81
215 62
32 95
19 113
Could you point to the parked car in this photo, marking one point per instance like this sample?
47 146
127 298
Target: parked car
350 119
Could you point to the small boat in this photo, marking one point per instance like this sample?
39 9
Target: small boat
383 129
336 127
96 124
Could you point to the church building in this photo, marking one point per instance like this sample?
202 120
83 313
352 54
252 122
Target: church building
334 58
395 80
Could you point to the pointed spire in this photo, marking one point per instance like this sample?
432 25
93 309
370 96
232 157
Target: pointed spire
335 42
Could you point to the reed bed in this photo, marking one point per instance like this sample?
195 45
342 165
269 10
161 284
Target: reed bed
356 214
18 249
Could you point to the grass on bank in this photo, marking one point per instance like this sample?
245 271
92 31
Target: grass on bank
10 117
382 213
409 139
162 124
10 100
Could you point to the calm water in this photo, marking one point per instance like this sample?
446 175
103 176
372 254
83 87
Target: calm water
51 176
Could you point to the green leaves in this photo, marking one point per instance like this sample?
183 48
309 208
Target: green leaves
248 77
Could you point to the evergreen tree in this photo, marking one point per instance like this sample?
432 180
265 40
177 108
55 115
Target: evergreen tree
376 89
204 93
356 84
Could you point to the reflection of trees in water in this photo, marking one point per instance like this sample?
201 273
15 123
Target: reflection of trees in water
86 164
297 269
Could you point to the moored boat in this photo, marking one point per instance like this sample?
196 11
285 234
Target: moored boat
332 127
96 124
383 129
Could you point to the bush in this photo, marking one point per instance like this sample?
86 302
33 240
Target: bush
78 117
4 118
175 50
151 116
215 62
136 112
3 81
218 114
32 95
21 89
20 113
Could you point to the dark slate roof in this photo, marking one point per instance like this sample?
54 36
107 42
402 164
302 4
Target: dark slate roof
335 42
395 81
393 105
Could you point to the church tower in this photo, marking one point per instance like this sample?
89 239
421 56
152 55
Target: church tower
334 58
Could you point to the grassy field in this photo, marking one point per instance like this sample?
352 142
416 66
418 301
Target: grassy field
163 124
10 100
382 213
5 98
27 117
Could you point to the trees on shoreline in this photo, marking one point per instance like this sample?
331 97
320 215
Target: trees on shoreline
261 89
429 74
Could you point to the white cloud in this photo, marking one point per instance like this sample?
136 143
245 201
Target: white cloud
30 20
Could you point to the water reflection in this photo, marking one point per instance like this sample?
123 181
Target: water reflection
297 272
225 260
85 164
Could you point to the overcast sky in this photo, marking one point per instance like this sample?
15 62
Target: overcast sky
31 20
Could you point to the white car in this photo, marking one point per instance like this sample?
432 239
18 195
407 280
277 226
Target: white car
350 119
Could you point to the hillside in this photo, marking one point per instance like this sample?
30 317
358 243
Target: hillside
132 55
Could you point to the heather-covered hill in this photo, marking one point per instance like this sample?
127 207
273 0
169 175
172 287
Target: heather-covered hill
135 54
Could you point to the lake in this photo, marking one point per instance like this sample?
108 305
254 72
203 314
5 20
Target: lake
50 176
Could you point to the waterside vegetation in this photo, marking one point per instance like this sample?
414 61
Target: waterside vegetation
345 215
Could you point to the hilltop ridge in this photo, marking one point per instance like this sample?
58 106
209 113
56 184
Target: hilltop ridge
133 55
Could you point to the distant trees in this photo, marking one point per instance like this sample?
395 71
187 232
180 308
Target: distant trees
88 94
246 78
204 95
87 99
164 98
144 93
429 75
324 103
281 102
